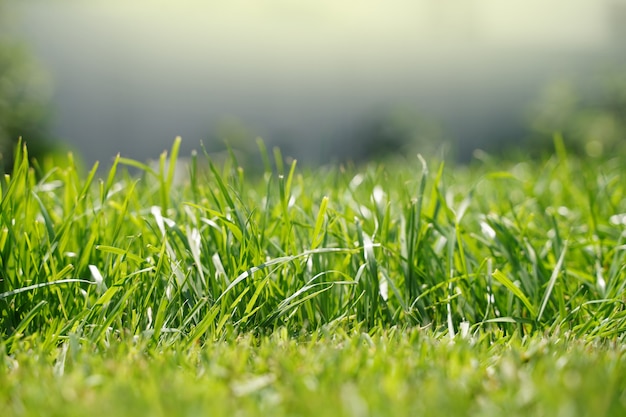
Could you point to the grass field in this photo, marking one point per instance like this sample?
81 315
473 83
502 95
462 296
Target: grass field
398 288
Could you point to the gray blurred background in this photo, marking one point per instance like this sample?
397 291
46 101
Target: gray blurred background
326 80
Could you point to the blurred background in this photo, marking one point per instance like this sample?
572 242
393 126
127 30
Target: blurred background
325 80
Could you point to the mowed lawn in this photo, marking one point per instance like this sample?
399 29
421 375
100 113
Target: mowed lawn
404 287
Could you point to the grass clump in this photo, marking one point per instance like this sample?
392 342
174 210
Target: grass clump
331 282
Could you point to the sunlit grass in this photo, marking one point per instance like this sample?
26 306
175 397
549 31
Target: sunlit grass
265 282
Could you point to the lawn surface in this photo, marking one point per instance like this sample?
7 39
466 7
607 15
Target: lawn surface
399 288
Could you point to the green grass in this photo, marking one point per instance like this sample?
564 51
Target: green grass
404 288
397 372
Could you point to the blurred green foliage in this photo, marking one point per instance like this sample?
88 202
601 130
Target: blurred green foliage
25 109
399 130
589 114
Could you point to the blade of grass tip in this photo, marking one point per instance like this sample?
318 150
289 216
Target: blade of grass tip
437 200
110 178
165 198
560 150
20 171
121 252
511 320
317 236
515 290
264 155
266 217
231 154
88 181
552 281
278 160
44 284
107 296
123 209
222 186
172 163
193 174
139 165
284 203
292 170
20 157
